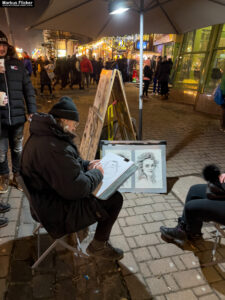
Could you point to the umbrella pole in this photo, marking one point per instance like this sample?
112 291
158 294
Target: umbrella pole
141 71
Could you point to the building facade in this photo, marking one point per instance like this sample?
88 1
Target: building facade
199 67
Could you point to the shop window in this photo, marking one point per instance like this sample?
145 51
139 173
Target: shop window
222 38
188 42
197 41
189 71
202 39
216 70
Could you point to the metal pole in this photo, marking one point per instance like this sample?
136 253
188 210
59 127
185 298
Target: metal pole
9 26
141 70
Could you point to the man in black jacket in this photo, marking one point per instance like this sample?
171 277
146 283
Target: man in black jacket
15 82
61 182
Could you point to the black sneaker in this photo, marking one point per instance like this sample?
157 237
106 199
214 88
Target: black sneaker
4 207
3 222
107 252
176 234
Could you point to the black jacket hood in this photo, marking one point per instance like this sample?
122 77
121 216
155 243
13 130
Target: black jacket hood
45 125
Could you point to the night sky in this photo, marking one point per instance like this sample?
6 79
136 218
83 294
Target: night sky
20 18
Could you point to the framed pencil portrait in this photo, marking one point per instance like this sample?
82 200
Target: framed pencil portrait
150 158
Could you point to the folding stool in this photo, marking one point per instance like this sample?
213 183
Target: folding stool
60 241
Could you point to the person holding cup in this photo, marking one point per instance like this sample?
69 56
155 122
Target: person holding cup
18 98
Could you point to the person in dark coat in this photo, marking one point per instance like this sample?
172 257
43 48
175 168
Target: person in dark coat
45 80
99 68
61 182
27 63
164 74
147 78
15 82
204 203
93 75
156 83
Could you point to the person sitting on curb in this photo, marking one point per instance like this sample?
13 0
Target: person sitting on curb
204 203
61 183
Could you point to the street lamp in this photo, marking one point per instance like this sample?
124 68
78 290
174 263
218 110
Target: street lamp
118 7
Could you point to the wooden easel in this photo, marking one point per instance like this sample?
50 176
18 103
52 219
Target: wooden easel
110 96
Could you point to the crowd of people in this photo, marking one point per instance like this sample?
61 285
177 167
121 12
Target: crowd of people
82 71
157 71
74 70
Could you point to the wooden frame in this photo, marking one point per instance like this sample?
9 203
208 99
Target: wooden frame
110 91
150 157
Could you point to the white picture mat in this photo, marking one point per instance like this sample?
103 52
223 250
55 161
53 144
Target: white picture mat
113 166
134 183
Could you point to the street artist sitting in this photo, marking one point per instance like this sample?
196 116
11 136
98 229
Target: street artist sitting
61 182
204 203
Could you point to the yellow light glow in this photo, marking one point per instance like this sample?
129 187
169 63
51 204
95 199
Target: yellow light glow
19 50
61 53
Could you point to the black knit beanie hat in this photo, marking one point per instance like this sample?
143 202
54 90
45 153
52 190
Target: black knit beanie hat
3 38
65 109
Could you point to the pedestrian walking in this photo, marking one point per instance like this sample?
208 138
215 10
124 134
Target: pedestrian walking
45 80
76 74
93 75
27 63
34 67
99 68
16 83
156 83
163 78
147 78
64 72
86 69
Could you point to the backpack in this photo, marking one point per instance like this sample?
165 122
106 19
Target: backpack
218 96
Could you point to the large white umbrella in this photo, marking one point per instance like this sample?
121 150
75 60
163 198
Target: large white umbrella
91 18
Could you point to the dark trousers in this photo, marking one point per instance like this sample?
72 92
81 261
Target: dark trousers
155 81
146 86
112 206
64 80
198 208
164 87
85 77
49 87
11 136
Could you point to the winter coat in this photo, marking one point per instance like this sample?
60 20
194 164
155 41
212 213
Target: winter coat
44 78
58 180
164 71
86 66
147 73
157 70
28 65
15 82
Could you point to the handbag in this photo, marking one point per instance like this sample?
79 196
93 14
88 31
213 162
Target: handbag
218 96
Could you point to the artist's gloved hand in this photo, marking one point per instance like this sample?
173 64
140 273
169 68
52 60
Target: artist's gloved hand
215 192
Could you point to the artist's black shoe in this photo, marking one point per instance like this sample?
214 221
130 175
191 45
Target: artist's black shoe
107 252
3 222
4 207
